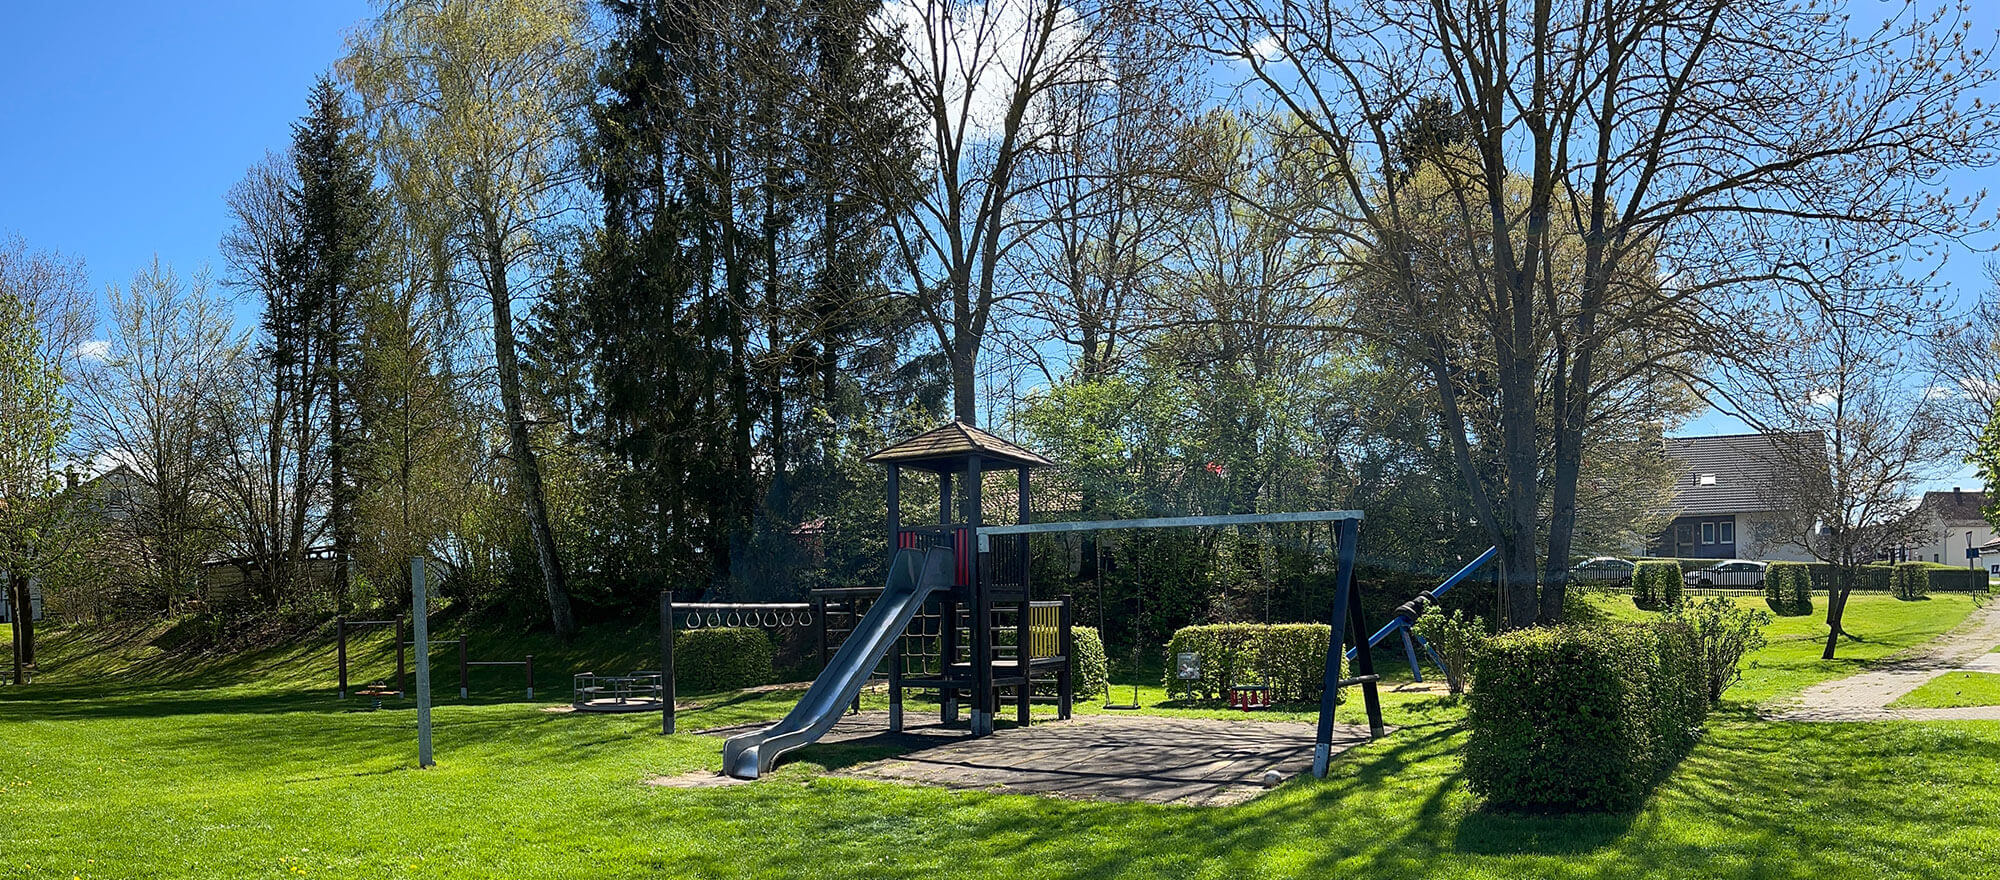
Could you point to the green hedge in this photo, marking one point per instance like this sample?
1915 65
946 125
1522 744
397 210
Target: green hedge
1567 719
1656 584
1087 669
1911 581
1290 657
1788 588
723 659
1937 577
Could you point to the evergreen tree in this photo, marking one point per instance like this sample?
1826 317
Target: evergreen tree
339 220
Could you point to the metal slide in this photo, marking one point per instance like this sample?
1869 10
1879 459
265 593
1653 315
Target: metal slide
913 574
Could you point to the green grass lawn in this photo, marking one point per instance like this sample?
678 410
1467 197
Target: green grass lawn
1953 690
247 767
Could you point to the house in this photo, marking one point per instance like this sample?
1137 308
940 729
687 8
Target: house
1952 523
1728 498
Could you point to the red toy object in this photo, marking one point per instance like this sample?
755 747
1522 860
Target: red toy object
1250 697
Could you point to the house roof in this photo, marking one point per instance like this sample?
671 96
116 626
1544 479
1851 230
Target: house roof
1955 506
1732 473
947 446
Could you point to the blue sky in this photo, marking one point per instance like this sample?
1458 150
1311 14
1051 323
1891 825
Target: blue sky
122 126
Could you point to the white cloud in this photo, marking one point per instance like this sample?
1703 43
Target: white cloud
96 351
1270 48
977 52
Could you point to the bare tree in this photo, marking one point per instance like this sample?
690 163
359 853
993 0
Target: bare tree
983 76
277 459
1856 434
1966 355
152 404
1700 156
1100 194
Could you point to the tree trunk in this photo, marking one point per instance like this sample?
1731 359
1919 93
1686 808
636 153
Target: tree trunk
526 471
964 367
1836 608
341 510
24 627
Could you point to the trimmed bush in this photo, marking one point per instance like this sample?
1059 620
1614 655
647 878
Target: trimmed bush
1568 719
1087 669
1941 578
1911 581
1290 657
723 659
1457 639
1788 588
1656 584
1952 579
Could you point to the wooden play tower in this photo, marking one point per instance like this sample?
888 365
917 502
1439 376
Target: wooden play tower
990 592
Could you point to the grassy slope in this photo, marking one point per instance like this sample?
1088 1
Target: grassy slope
229 770
1953 690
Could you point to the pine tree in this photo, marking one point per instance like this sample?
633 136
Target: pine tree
339 219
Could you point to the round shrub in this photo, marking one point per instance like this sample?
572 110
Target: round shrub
1088 674
1656 583
1457 639
1788 588
723 659
1087 669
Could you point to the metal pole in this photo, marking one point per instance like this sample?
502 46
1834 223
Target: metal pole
530 664
464 671
420 624
667 659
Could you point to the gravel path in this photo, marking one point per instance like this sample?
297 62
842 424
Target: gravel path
1865 697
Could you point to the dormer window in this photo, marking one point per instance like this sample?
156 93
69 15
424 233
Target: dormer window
1705 479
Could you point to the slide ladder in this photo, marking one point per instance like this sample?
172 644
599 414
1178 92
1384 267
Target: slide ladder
913 575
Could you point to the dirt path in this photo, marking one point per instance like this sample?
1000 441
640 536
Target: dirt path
1865 697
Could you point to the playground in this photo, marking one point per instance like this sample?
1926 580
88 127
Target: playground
130 764
941 734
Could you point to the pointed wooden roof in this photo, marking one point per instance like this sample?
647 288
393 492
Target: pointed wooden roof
947 446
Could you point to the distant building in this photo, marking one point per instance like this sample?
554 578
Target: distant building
1953 522
1728 498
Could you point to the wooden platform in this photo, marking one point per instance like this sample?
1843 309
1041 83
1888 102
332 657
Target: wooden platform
1133 758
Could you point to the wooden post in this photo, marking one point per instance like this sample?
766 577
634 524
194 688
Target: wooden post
464 671
421 630
819 617
667 660
1024 656
1066 677
982 607
895 510
340 639
896 684
1364 662
947 656
529 664
402 690
1343 583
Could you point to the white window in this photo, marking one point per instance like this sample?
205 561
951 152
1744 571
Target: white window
1706 479
1708 533
1726 531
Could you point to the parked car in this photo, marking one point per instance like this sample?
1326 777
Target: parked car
1602 570
1727 573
